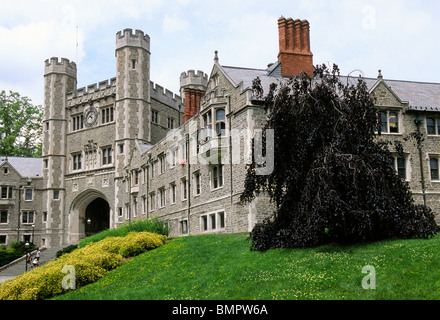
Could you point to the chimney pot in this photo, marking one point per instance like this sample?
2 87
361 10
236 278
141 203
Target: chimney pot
294 41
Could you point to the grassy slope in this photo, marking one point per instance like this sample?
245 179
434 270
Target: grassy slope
222 267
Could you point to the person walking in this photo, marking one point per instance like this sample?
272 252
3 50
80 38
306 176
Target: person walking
37 256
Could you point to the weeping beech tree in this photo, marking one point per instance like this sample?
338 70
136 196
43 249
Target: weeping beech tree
332 179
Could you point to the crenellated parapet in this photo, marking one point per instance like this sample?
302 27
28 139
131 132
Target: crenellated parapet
127 38
165 96
193 80
63 66
192 88
92 92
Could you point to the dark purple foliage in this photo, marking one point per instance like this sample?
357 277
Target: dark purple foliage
332 179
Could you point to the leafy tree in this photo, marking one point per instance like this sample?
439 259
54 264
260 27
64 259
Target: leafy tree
332 179
20 126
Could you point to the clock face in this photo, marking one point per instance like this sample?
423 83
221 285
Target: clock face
90 116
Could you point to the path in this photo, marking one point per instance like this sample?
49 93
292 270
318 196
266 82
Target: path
19 266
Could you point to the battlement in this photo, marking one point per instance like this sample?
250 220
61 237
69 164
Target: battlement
194 80
165 96
65 66
93 91
126 38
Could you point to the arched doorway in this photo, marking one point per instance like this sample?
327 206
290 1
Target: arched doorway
97 216
89 213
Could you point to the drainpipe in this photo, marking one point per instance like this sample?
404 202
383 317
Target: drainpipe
418 121
147 196
230 154
188 181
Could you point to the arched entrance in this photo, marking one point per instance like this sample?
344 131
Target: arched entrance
97 216
89 213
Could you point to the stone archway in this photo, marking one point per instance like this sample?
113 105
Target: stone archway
97 216
89 213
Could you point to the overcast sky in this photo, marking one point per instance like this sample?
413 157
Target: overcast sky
400 37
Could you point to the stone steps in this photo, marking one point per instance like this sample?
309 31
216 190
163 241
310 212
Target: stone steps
18 266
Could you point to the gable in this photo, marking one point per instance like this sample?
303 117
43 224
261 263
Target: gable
385 96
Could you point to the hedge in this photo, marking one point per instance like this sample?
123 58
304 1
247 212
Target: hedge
91 263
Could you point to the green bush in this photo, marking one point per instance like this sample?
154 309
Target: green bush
17 250
154 225
90 262
67 249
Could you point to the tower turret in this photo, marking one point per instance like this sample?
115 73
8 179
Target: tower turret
132 92
192 89
59 79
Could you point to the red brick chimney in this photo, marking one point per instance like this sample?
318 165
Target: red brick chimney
192 103
192 89
294 55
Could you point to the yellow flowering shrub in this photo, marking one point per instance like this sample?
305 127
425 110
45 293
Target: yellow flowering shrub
135 243
90 263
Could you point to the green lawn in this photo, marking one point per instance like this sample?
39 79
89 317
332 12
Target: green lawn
222 267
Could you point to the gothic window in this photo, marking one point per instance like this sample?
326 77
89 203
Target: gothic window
184 226
162 163
217 176
162 197
4 217
28 196
400 165
154 116
207 125
184 188
433 126
6 192
107 115
27 217
152 202
197 188
77 162
107 156
173 192
433 165
220 122
393 122
213 221
77 122
170 123
389 122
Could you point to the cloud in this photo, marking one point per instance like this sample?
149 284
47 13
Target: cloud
173 24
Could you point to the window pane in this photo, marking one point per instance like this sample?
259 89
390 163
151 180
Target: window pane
4 192
394 124
383 121
434 169
401 168
430 126
220 115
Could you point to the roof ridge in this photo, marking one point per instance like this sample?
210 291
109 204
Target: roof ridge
243 68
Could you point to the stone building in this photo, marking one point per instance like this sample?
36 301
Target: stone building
126 148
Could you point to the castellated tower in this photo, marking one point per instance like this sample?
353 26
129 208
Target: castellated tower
59 79
132 92
192 89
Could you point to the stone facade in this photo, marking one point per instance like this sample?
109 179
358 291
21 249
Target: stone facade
126 148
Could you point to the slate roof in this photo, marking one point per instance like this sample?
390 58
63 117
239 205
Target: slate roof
26 167
423 96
